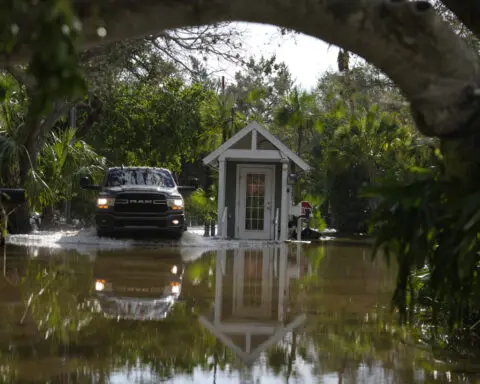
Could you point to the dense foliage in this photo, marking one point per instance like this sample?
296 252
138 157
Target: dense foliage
154 124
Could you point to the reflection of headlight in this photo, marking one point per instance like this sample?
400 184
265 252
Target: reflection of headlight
175 287
99 285
174 270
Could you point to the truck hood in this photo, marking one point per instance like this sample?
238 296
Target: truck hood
141 188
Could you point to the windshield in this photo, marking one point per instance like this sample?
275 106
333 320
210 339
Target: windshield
141 176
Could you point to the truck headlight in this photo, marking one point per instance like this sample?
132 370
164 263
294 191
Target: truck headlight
99 285
105 202
175 204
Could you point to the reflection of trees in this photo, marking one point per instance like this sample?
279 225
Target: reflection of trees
281 358
57 295
43 313
199 282
350 328
175 345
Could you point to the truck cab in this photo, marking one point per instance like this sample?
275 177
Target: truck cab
133 198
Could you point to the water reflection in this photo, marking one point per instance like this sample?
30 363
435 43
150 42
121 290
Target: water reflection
280 314
146 294
252 309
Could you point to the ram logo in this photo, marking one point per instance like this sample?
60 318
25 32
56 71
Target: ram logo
141 201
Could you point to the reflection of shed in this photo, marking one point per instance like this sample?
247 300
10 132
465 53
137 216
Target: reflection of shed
251 290
253 193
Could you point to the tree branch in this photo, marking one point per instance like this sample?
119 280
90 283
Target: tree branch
21 76
37 130
93 113
169 55
407 40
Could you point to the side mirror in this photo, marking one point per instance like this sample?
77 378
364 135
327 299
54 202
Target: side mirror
193 182
192 185
185 189
86 183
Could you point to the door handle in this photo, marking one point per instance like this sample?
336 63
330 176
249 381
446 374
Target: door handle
269 205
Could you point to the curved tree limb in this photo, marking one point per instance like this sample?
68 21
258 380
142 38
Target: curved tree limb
407 40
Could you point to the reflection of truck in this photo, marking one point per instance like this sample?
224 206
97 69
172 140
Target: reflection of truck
145 287
138 198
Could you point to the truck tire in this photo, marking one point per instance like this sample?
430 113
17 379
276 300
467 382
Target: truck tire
103 233
177 235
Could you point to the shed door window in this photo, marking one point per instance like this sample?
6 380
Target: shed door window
255 202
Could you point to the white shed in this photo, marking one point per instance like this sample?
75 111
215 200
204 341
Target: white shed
253 192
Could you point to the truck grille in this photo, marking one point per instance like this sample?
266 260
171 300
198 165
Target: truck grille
140 203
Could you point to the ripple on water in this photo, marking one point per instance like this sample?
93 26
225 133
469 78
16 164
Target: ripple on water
88 239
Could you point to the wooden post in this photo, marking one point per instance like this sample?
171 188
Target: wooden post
284 204
221 194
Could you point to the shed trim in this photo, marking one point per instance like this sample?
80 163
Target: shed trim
254 126
247 154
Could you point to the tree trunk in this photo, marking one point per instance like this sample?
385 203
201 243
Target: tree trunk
462 159
94 112
48 217
300 138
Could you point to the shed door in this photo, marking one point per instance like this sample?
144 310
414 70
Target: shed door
256 199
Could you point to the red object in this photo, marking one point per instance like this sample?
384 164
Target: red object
306 208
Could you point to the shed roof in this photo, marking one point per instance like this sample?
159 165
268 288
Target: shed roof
254 126
263 338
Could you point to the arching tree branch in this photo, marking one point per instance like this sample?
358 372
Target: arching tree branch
407 40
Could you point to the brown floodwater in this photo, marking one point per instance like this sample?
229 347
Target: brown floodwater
150 314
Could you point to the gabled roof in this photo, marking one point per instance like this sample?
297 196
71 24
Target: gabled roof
213 156
249 355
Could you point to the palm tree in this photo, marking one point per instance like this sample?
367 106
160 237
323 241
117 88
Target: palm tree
12 119
297 119
62 160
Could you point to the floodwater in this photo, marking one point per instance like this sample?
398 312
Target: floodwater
78 309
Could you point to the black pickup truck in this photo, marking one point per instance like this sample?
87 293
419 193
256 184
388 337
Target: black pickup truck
133 198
